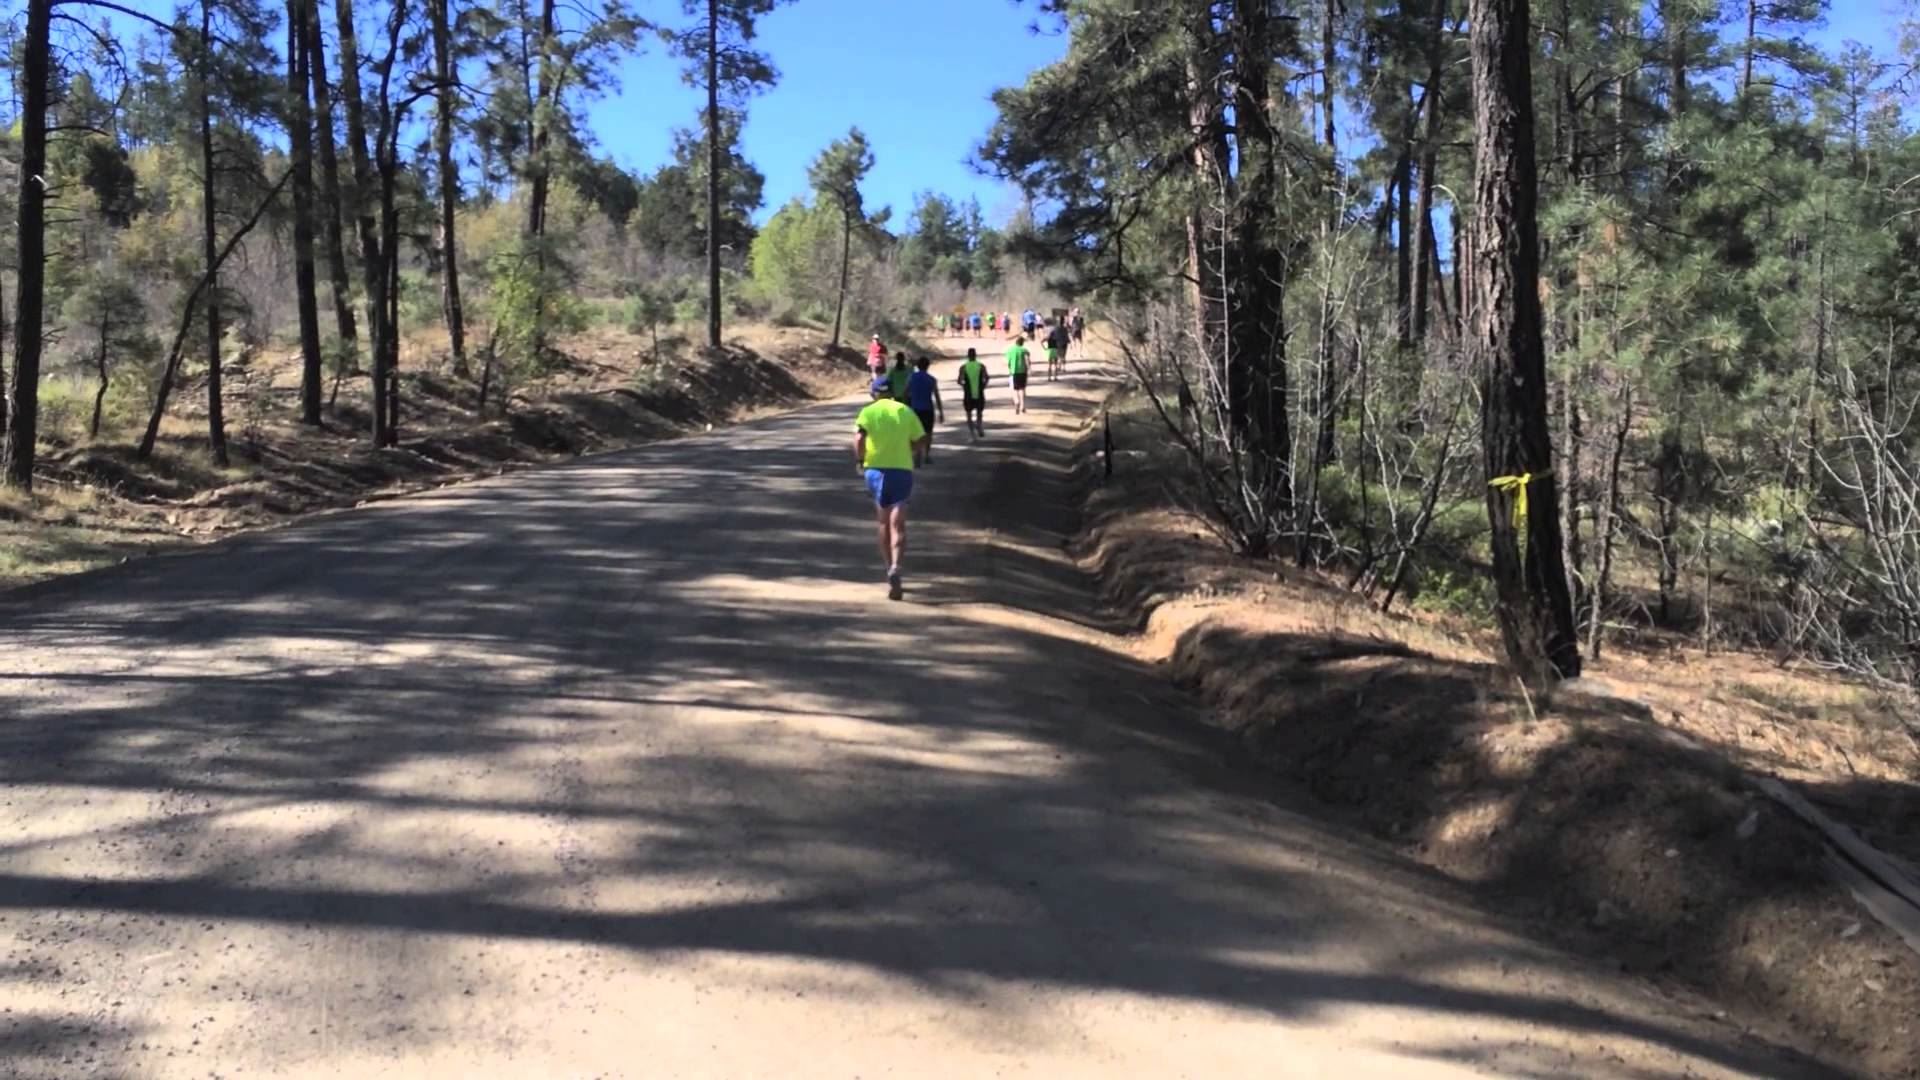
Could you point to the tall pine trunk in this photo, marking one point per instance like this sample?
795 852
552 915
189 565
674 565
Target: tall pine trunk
541 135
443 72
713 174
100 368
373 267
846 257
300 144
23 415
386 268
1746 63
1504 340
4 386
1403 248
1609 514
1429 153
1207 226
332 213
1323 443
1257 296
216 418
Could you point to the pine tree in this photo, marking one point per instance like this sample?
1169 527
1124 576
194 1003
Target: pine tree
727 66
300 139
332 210
446 80
836 175
23 409
1505 343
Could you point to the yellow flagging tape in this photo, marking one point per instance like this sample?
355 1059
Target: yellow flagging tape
1516 486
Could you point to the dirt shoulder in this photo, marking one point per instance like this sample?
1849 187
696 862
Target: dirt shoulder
97 504
1639 841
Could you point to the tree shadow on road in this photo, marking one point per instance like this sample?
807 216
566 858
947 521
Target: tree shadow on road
661 664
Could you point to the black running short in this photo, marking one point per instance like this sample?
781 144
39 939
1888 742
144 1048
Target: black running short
1020 381
926 419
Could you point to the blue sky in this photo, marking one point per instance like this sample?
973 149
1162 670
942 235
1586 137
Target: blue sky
915 75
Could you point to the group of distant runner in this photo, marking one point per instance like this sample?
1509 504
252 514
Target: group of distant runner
975 323
893 435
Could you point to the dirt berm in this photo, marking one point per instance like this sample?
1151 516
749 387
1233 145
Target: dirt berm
1597 827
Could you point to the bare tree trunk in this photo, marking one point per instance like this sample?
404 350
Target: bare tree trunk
1571 552
846 258
1819 356
1460 297
373 267
1746 68
1324 446
1257 298
383 270
336 244
3 375
1438 277
300 142
1209 156
23 415
1403 247
1505 342
390 247
100 365
216 419
1673 22
1609 514
1429 154
1668 478
191 311
540 181
713 174
1328 15
443 73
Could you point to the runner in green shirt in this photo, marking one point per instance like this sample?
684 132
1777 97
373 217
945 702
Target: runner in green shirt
973 392
1017 373
898 377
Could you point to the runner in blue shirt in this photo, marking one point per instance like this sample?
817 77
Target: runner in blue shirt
923 397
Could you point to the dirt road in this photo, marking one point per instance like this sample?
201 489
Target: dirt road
627 768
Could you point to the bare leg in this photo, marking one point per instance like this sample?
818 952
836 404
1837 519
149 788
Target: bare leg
896 523
884 519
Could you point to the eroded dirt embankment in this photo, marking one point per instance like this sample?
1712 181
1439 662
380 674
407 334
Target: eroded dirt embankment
1634 835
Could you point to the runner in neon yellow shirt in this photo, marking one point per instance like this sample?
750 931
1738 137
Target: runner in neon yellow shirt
1017 356
887 439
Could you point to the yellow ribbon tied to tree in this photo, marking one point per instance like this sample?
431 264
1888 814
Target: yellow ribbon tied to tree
1516 486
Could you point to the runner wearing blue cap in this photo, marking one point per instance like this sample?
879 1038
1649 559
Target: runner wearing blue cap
888 439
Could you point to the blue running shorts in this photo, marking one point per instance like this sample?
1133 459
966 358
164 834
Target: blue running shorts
890 487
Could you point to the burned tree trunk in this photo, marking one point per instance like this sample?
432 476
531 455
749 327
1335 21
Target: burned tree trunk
443 73
300 143
332 213
1504 340
24 414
